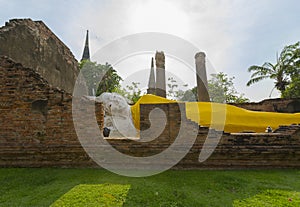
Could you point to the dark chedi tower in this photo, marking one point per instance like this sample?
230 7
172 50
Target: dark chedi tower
86 51
151 83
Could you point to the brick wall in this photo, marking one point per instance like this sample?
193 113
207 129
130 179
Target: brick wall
36 127
37 130
273 105
236 150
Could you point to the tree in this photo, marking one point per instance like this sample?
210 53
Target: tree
99 78
110 81
281 71
174 92
190 95
91 73
268 70
131 92
293 89
222 90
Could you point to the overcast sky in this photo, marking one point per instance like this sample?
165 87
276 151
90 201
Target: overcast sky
234 34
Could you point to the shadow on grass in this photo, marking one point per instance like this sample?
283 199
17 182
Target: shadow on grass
42 187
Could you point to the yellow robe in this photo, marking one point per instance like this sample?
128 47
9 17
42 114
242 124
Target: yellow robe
222 116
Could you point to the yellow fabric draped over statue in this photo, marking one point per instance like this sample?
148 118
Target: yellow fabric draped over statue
222 116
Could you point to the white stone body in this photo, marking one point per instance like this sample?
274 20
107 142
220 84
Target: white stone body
117 116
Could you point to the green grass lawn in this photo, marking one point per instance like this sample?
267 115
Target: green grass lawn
44 187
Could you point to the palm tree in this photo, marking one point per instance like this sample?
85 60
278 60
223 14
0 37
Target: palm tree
278 72
293 56
293 89
282 72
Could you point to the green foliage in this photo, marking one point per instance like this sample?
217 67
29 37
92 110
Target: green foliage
190 95
131 92
271 198
222 90
43 186
94 195
276 72
293 89
110 81
99 78
285 72
174 92
91 73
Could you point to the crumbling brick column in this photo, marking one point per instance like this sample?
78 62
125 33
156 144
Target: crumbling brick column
202 86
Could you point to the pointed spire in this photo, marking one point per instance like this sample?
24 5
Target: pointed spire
86 51
152 62
151 83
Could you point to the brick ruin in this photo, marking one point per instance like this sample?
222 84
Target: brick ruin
34 45
280 149
36 121
37 129
274 105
